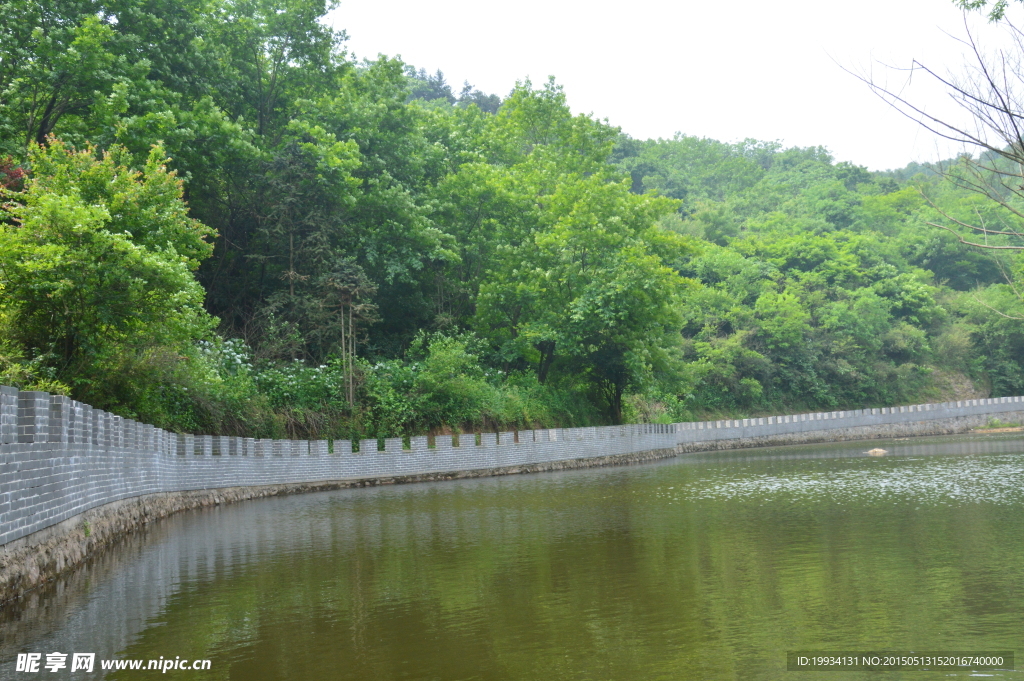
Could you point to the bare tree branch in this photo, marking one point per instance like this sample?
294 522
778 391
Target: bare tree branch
983 304
991 95
967 226
972 243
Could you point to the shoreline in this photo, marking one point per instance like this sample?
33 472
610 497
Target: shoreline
35 559
38 558
73 479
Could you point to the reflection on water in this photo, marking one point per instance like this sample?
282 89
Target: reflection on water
706 567
948 481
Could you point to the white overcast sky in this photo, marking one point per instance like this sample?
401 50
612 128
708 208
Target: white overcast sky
765 70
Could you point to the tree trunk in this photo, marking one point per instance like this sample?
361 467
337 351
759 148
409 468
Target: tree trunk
547 356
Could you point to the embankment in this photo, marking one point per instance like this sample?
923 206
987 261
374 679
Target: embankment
73 478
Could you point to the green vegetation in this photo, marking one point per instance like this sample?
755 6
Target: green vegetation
216 221
996 424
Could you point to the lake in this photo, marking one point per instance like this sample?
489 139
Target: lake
706 567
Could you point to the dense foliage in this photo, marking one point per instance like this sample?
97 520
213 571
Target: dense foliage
217 221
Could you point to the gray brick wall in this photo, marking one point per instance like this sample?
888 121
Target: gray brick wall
59 457
8 415
802 423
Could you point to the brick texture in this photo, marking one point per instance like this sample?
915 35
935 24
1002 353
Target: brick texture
59 457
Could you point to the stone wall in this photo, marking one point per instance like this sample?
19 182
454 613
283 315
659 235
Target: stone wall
60 459
946 418
34 559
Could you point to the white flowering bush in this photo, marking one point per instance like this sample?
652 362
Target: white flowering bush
299 385
228 357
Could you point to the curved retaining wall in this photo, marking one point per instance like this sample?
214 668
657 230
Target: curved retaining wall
61 460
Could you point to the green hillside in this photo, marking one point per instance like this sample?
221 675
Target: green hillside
217 221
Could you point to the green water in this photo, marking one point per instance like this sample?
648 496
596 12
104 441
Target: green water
708 569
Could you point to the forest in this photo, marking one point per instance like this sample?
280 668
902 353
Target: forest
216 221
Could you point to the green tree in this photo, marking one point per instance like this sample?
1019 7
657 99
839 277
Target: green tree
96 261
60 73
586 288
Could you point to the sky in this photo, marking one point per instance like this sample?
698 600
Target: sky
745 69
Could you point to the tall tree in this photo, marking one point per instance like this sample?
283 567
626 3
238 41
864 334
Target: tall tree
96 263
